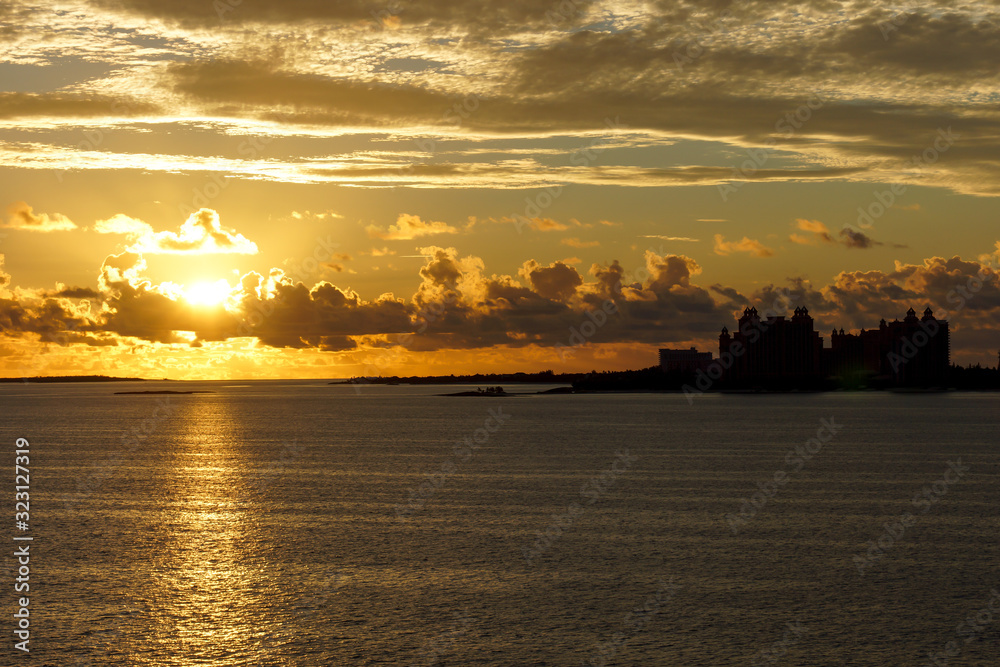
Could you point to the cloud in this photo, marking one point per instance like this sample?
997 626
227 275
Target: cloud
123 224
15 106
201 234
685 239
457 305
574 242
487 16
857 239
22 217
556 281
748 245
849 237
819 232
547 225
409 227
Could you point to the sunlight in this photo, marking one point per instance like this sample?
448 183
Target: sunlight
206 293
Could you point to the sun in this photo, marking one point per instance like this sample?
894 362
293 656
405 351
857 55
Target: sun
206 293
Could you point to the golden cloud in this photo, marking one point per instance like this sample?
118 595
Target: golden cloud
23 217
409 227
747 245
201 234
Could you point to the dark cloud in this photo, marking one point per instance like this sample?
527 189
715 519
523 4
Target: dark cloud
855 238
476 15
458 306
49 318
32 105
322 317
76 293
556 281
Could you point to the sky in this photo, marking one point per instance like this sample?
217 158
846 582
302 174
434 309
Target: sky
202 189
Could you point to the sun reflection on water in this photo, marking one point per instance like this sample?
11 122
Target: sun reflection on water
210 587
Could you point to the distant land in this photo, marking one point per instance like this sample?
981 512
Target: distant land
72 378
544 377
164 391
973 378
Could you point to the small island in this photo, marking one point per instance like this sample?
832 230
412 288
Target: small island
164 391
488 392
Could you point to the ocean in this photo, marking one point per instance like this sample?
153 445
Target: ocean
300 523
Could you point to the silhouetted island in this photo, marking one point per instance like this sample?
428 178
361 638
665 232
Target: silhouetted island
72 378
488 392
544 377
164 391
971 378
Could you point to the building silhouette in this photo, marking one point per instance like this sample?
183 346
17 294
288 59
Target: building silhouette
912 352
684 361
776 351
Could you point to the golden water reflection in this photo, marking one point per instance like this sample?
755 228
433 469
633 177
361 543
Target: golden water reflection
210 589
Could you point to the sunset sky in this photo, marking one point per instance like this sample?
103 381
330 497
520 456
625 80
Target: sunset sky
246 188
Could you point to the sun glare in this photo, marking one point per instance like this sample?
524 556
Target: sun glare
207 294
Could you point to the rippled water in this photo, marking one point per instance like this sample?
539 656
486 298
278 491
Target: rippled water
271 523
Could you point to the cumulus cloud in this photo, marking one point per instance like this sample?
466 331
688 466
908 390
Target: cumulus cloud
458 305
556 281
201 234
747 245
21 216
409 227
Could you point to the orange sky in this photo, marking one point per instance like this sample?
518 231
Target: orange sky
195 189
